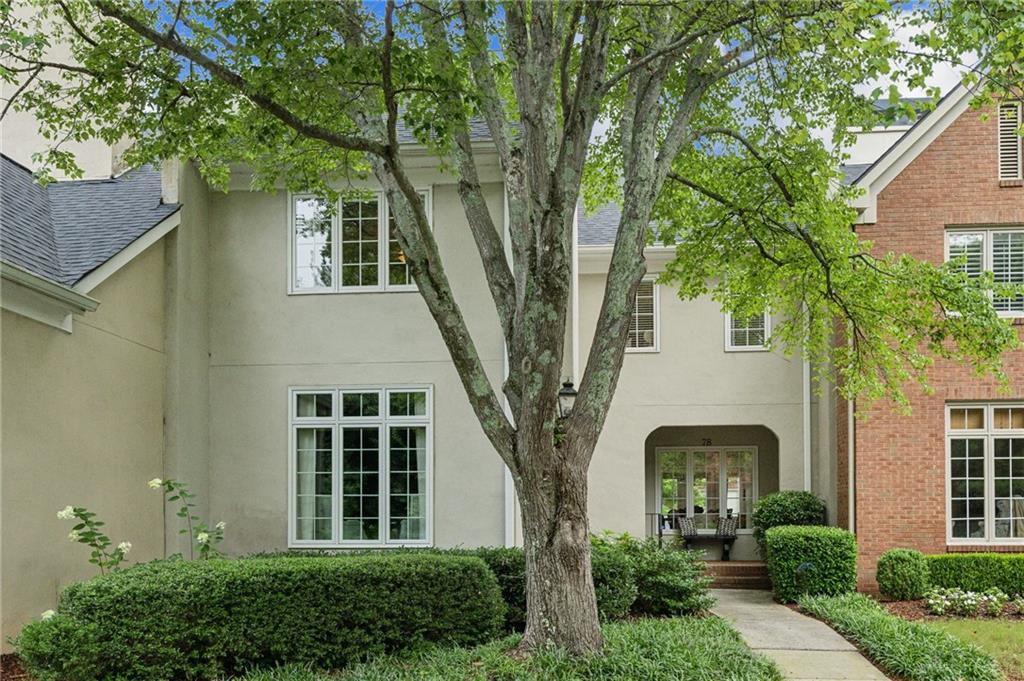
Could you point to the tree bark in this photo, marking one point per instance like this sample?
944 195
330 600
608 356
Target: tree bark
561 605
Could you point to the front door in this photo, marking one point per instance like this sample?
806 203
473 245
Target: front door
706 482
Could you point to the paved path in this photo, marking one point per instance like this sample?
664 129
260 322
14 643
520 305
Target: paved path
802 647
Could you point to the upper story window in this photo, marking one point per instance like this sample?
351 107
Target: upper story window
643 323
747 333
360 465
1000 251
1011 165
352 250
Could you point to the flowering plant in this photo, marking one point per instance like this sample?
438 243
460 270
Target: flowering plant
206 538
966 603
87 531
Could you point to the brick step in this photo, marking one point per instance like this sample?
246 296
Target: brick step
747 568
740 582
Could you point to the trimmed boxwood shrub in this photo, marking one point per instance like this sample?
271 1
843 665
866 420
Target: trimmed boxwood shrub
789 507
178 620
668 581
978 571
811 560
903 574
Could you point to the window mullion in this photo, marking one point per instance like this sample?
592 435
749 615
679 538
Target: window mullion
689 483
336 483
384 467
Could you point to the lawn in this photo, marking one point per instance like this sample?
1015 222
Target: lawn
692 648
1003 639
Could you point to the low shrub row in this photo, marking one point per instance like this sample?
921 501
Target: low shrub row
905 574
811 560
177 620
978 571
909 650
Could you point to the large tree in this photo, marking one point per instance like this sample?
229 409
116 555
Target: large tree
712 115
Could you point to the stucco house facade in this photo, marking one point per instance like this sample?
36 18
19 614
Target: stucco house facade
282 364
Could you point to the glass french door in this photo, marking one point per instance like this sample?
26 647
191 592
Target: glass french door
704 483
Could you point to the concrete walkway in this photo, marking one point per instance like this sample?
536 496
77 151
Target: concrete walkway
802 647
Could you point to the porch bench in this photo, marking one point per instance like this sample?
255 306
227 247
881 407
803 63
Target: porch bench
725 532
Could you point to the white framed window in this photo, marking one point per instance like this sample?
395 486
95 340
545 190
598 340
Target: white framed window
1011 165
644 322
747 334
706 483
1000 251
360 466
350 250
985 473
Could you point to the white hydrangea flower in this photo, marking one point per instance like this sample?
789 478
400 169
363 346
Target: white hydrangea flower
203 538
156 483
124 547
221 525
73 535
47 614
67 513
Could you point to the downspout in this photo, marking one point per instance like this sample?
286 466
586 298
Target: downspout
508 484
851 443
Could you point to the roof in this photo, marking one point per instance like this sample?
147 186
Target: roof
853 171
478 131
600 227
919 104
65 230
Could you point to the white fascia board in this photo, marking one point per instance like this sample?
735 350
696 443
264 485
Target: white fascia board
597 259
42 300
128 253
905 150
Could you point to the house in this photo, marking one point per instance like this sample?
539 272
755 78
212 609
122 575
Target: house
288 371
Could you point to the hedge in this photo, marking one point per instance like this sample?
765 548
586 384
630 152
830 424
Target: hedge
909 650
978 571
903 574
177 620
789 507
811 560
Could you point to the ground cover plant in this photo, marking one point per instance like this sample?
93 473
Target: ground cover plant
910 650
653 649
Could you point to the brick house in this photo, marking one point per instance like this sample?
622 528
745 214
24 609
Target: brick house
950 476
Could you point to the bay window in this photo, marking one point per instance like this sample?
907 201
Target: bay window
360 461
985 473
352 248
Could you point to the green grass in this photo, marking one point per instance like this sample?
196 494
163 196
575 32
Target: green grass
696 649
1002 639
911 650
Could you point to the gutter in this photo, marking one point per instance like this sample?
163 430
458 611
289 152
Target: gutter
77 302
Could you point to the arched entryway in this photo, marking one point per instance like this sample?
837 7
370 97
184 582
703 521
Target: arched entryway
707 472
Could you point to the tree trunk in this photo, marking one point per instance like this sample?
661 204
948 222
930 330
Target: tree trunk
561 607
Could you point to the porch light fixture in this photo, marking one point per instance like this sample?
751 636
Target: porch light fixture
566 399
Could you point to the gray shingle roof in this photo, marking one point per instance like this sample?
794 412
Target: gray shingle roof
67 229
478 131
853 171
919 105
600 227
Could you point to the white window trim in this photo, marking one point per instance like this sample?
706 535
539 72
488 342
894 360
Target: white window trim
336 422
658 451
986 266
987 433
729 347
656 293
336 287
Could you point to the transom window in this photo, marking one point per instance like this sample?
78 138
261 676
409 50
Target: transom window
643 323
351 249
1000 251
708 483
747 333
985 473
360 461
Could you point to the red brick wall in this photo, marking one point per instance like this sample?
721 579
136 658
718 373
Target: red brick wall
900 460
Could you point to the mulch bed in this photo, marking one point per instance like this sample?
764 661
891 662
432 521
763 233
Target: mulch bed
917 610
10 669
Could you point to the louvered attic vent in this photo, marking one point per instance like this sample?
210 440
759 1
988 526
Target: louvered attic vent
1010 141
